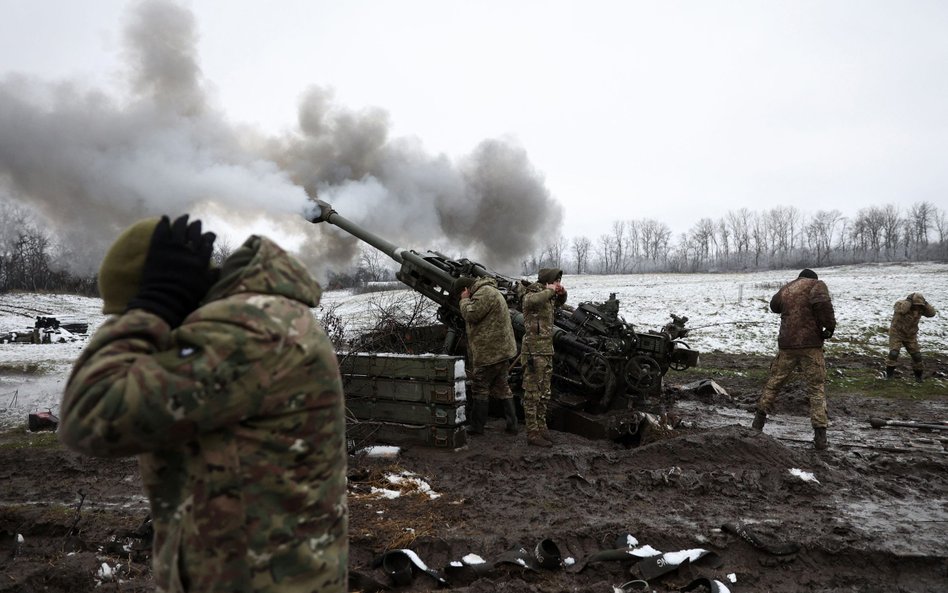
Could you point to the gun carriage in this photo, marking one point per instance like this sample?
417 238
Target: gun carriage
601 363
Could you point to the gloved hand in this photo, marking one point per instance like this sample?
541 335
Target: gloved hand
826 334
176 275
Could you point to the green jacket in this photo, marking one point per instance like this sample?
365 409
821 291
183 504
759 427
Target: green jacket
805 309
907 314
538 305
237 417
490 335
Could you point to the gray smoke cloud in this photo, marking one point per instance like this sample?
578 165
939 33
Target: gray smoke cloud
91 163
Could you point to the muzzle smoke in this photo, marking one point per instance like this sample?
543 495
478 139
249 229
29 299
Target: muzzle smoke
91 163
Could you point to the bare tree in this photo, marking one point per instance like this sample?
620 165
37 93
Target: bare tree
891 222
581 247
820 233
618 246
921 215
555 251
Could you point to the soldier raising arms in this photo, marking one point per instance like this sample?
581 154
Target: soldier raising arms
903 331
225 386
492 346
536 354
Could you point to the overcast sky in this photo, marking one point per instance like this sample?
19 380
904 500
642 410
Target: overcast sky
629 110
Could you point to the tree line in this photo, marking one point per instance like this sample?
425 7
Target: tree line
35 260
749 240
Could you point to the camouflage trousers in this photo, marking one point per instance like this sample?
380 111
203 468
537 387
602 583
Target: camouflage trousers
911 346
490 380
537 375
812 366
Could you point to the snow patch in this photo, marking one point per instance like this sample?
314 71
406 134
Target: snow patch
804 475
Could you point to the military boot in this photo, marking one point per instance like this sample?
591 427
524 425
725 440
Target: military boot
819 438
536 439
510 415
759 420
478 417
889 372
918 376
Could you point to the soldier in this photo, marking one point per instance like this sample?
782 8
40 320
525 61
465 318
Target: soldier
491 343
227 389
806 319
539 302
903 331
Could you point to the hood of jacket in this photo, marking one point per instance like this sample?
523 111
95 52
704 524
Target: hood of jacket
262 266
483 281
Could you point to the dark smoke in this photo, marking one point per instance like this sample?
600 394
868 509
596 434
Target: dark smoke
91 163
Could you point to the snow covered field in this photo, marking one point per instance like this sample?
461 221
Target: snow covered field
734 307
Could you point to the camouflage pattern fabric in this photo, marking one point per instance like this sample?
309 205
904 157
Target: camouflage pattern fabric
903 330
537 353
491 381
537 375
813 368
490 334
538 304
904 325
237 418
805 309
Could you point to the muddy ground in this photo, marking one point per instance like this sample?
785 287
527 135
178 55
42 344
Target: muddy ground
869 514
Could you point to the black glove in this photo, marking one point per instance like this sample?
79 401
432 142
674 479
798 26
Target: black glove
826 334
176 275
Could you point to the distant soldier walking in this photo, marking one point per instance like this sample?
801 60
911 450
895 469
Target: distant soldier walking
492 346
806 320
903 332
227 389
539 302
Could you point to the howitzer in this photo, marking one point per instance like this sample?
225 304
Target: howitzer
600 360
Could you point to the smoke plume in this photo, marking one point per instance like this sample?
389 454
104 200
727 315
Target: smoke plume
91 163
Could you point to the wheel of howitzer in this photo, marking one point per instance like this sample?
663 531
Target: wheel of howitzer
643 372
594 370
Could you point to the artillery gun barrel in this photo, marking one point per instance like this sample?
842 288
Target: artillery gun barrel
328 214
417 272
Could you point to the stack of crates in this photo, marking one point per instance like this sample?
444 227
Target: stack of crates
404 398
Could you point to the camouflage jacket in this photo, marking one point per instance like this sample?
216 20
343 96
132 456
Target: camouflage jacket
904 324
806 309
538 305
237 417
490 335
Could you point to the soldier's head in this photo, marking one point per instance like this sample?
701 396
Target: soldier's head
917 298
462 283
549 275
808 273
121 271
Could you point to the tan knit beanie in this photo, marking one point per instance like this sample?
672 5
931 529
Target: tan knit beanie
120 274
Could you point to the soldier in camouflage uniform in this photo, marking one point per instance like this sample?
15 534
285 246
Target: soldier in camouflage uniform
903 331
538 304
228 390
492 346
806 319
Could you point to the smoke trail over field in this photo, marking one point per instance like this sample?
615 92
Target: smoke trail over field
91 163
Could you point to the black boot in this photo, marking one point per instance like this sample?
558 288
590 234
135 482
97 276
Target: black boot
819 438
478 417
510 415
918 375
759 420
889 372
